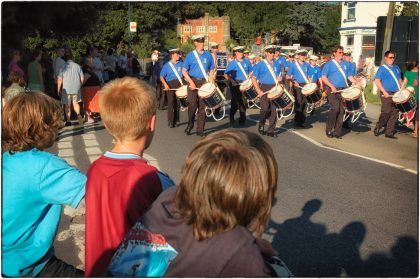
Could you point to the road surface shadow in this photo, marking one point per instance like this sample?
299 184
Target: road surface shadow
309 251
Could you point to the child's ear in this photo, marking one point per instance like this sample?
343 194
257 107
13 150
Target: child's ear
151 123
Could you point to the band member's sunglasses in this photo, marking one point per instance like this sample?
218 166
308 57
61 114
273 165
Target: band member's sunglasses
200 40
391 57
271 51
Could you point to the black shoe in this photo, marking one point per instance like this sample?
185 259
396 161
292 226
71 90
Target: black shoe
261 130
231 120
337 136
346 126
200 134
376 132
68 123
391 136
330 134
188 130
273 135
241 123
172 125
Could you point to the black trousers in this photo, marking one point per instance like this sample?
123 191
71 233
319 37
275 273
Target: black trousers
173 102
335 114
388 117
57 268
300 105
195 102
160 96
268 110
237 102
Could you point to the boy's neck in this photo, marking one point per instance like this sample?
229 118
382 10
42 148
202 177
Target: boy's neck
134 147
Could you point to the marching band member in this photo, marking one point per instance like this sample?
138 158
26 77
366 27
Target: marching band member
353 72
298 73
266 75
237 72
198 68
388 80
314 71
171 78
314 74
334 75
287 64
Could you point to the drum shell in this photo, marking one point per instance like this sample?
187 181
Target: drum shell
315 97
409 105
211 99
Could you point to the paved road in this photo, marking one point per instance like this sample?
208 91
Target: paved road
343 207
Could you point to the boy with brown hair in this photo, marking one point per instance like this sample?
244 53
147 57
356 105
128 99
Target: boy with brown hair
121 184
36 184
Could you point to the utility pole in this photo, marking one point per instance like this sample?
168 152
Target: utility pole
388 29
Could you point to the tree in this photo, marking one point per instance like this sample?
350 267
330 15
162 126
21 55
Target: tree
410 8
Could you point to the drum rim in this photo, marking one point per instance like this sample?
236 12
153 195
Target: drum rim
400 92
312 92
208 94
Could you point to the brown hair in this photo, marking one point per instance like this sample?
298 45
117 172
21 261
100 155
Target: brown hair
126 105
228 180
30 120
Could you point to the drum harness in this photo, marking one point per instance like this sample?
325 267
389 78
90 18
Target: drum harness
354 115
250 103
210 111
280 113
401 116
179 79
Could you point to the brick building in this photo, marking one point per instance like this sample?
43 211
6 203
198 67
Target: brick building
216 29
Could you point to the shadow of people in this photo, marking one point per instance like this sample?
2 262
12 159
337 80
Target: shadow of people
403 262
298 241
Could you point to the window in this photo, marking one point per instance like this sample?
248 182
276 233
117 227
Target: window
213 29
200 29
368 45
351 10
350 40
187 28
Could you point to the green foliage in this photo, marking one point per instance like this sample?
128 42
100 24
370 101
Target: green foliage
410 8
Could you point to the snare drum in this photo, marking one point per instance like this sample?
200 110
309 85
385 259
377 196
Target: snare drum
182 94
352 99
280 97
209 94
248 89
404 101
312 93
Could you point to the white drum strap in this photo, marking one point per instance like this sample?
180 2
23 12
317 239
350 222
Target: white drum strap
201 65
270 69
393 75
341 71
175 72
301 71
242 69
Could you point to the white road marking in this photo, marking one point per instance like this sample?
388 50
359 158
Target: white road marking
345 152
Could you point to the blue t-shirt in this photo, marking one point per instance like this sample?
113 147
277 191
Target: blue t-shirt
263 75
168 74
388 82
334 75
295 73
314 73
235 72
192 66
35 186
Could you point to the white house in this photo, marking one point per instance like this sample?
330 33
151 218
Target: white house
358 26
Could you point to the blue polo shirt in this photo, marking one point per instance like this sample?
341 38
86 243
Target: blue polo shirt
192 67
295 73
314 73
388 82
235 72
334 75
263 75
168 74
